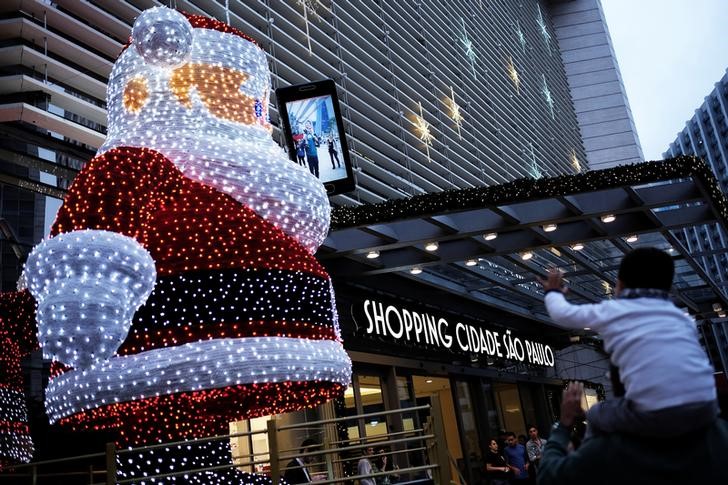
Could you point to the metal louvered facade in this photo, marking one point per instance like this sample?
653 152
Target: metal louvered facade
498 59
706 135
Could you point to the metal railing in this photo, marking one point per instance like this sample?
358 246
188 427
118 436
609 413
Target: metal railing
420 455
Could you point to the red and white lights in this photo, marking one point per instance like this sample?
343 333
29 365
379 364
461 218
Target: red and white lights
189 194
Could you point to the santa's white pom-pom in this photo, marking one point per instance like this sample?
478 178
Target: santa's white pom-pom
163 37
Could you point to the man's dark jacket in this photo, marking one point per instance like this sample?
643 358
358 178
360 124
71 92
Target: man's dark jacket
699 457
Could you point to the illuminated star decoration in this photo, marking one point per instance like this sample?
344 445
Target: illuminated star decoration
309 5
575 161
547 95
513 74
455 114
423 129
521 37
607 288
469 49
534 170
544 31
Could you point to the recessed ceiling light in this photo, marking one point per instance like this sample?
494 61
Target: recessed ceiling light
549 227
373 254
607 218
471 262
416 270
432 246
721 315
490 236
526 255
632 238
577 246
587 328
429 381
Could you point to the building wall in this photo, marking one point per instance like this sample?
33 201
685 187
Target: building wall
706 136
600 100
514 92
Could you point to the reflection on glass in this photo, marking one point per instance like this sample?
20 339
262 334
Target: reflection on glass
469 430
425 389
590 398
509 407
492 413
370 388
467 417
349 400
405 394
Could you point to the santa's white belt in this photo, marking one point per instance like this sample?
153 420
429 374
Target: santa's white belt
197 366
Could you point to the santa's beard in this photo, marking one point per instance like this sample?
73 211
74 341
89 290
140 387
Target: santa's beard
250 167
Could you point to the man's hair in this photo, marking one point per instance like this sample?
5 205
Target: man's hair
647 268
510 433
308 443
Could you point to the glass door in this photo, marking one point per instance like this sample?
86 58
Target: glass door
508 402
427 387
472 463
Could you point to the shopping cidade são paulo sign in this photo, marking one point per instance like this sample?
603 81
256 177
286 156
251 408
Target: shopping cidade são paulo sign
401 325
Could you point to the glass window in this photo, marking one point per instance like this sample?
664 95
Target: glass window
425 389
472 466
405 395
492 413
590 398
508 401
370 389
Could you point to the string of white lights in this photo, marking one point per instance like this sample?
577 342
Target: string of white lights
242 321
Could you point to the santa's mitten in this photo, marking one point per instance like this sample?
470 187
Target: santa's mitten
88 285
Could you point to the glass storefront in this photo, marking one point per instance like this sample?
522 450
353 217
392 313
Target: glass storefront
473 409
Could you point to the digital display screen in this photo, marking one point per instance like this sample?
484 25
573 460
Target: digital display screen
315 137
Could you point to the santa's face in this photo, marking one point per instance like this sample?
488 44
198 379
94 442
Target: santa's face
175 80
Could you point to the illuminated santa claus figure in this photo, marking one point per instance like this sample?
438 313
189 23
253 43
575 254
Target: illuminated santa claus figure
192 211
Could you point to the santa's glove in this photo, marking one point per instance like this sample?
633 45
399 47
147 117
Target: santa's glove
88 285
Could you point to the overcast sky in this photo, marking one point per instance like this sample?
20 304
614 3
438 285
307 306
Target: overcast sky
670 54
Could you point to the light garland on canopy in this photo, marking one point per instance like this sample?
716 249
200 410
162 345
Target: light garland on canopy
242 320
526 189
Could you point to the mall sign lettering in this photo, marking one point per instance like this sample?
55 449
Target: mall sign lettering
403 325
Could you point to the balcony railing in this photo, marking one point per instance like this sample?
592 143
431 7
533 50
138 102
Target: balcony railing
419 455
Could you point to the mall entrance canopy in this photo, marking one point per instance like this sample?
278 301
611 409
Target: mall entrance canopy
490 244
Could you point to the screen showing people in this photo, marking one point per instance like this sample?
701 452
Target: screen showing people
316 138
